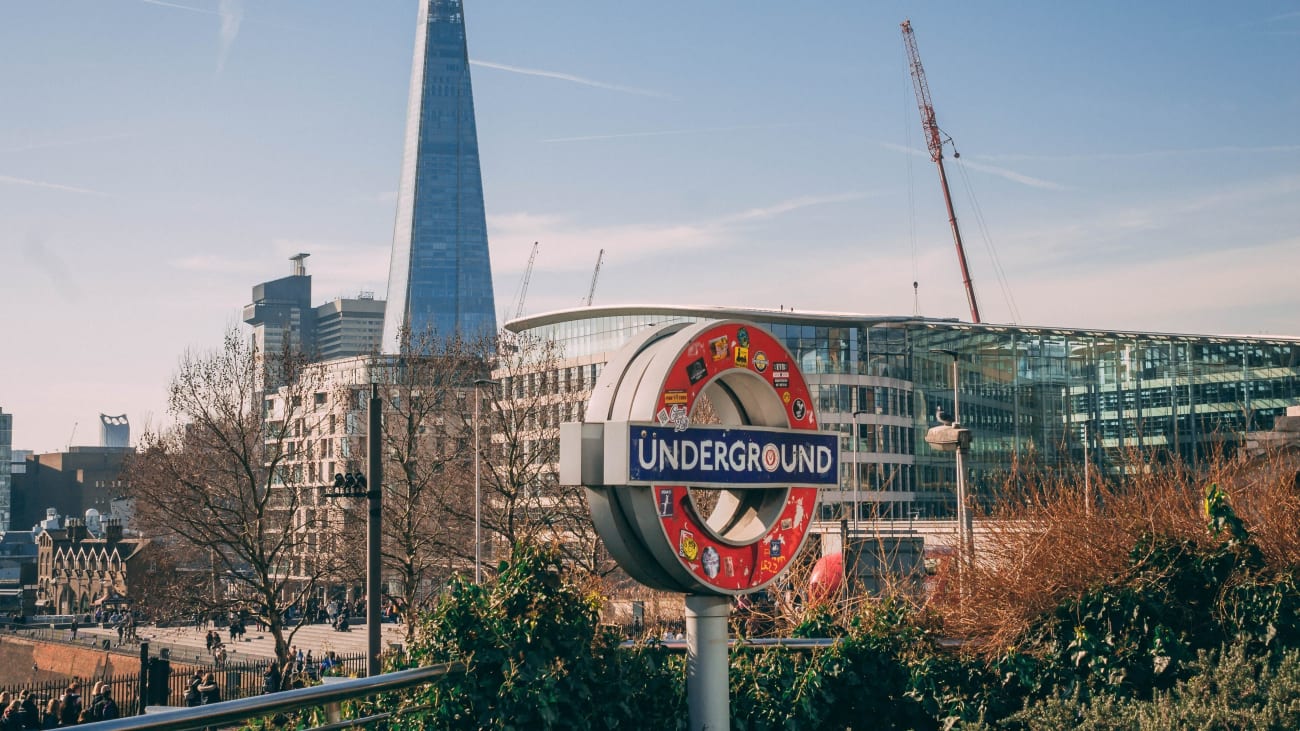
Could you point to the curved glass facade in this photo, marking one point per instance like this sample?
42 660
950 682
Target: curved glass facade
1046 395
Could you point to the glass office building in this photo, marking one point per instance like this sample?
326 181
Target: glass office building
1050 396
440 278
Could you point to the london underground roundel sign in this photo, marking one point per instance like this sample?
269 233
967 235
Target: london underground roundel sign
701 457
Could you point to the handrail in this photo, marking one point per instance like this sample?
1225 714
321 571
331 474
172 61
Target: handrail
188 719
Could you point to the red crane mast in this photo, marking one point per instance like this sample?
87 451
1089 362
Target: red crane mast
934 141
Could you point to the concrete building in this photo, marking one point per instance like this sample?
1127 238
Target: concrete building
281 312
114 431
282 316
71 482
440 276
6 469
349 327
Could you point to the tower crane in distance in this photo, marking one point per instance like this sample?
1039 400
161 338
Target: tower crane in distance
591 293
523 287
934 140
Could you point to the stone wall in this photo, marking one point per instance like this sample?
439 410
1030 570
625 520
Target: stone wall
24 660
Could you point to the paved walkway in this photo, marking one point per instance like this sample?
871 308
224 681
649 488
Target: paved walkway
187 643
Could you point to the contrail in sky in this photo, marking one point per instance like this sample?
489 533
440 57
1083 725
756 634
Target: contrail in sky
572 78
231 13
49 186
991 169
179 6
663 133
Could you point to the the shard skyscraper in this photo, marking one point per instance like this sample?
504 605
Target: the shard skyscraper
440 278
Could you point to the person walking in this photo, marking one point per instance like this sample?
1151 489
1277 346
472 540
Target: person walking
271 677
31 712
192 695
74 627
52 709
209 691
70 705
12 720
104 707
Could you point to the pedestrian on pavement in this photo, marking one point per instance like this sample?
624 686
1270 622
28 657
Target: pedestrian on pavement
192 695
74 626
271 677
52 709
12 720
209 691
105 708
70 705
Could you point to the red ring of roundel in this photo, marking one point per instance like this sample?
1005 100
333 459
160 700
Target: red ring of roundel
748 567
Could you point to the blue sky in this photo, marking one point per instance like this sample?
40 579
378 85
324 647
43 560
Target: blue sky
1135 166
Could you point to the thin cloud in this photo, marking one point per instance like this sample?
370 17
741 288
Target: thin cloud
179 6
568 245
9 179
665 133
793 204
213 264
62 143
571 78
1011 175
53 266
231 12
1139 155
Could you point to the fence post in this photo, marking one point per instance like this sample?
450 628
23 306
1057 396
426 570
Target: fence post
144 677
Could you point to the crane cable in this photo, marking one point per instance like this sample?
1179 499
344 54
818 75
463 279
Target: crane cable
998 271
908 107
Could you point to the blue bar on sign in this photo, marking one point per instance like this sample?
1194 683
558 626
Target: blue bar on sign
732 456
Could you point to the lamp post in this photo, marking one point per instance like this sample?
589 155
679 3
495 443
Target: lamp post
478 493
857 469
354 485
951 436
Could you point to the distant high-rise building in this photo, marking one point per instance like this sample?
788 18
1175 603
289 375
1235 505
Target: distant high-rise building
347 327
114 431
440 278
6 447
282 317
281 313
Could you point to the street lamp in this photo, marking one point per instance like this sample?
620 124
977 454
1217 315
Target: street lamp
857 469
356 485
478 499
951 436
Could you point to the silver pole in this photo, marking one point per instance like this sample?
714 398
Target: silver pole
857 474
707 680
374 569
965 526
1087 475
478 517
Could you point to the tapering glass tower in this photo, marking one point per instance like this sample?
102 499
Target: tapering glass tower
440 278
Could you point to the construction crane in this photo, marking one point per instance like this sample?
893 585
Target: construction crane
934 140
594 275
523 288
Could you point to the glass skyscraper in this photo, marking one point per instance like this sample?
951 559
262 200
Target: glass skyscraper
440 278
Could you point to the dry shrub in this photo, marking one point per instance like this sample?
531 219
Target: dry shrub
1051 541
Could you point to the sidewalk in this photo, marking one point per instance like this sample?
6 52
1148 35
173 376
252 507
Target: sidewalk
188 644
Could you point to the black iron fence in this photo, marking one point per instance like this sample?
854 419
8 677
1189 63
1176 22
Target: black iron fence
165 681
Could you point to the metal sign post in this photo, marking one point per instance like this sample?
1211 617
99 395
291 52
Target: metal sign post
640 454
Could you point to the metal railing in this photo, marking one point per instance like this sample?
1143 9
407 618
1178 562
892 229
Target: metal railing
227 712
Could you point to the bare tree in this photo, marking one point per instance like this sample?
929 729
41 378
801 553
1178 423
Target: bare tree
519 454
423 393
222 484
